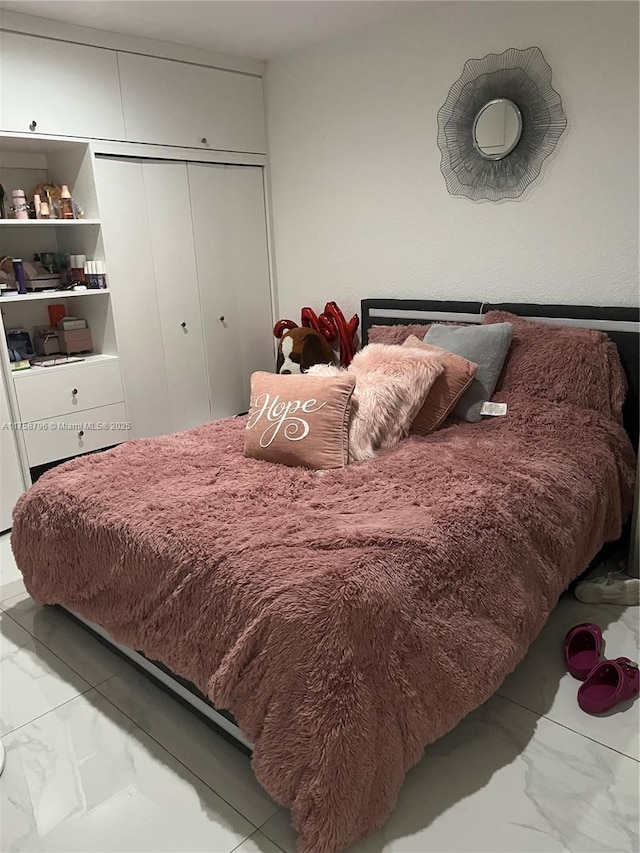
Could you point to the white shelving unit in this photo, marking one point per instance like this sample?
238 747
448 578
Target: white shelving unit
86 361
79 391
51 295
46 223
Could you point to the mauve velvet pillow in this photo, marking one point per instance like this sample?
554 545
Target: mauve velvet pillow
299 420
396 334
563 364
457 374
486 346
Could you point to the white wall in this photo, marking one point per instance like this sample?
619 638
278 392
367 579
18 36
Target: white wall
359 203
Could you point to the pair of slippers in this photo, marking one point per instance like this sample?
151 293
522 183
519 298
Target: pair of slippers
605 683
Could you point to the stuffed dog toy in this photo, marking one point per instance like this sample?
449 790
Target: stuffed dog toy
300 348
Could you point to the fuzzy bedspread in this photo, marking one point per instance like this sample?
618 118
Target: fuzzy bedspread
346 619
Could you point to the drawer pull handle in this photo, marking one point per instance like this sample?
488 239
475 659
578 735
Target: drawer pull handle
81 433
74 392
204 140
222 319
33 125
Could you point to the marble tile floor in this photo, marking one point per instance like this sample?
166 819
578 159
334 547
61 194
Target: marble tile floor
99 759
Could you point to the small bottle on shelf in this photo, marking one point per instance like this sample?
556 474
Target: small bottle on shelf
19 204
101 274
44 210
66 204
18 271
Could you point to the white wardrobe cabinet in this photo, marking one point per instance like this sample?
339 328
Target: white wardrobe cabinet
11 482
57 88
187 254
233 271
174 103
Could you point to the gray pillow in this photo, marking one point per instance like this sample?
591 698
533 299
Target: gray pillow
488 351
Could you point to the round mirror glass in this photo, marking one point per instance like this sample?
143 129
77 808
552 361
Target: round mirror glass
497 129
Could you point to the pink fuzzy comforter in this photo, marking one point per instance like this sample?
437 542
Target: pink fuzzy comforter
346 619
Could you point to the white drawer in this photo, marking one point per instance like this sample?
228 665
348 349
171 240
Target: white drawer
47 394
59 438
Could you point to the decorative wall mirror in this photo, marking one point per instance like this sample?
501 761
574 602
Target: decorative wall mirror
500 122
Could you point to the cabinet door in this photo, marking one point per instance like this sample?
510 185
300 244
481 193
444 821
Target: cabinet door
66 89
129 255
173 103
11 483
233 274
169 214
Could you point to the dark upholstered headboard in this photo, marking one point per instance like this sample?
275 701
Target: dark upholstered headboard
621 324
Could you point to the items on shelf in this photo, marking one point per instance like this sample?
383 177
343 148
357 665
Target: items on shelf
66 204
46 340
19 206
65 334
18 272
74 336
56 313
54 360
50 271
58 200
19 345
48 201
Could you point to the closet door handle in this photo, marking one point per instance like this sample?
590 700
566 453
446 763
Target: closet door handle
74 392
221 318
184 325
33 125
81 433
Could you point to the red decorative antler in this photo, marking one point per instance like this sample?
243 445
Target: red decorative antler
319 324
343 331
283 326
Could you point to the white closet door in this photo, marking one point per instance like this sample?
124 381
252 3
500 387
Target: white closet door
233 273
129 256
169 214
11 482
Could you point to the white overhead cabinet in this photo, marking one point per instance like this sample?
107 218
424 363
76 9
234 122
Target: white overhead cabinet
174 103
189 278
57 88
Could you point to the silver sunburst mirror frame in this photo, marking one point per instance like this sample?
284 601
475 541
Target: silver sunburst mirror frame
520 80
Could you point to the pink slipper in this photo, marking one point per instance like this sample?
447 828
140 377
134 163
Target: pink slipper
583 649
610 682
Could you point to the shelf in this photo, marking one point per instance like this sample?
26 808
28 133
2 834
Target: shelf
46 223
56 294
39 371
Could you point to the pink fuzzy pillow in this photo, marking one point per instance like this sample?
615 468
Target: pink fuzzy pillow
396 334
392 384
562 364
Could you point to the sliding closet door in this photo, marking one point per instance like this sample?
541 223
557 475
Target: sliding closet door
129 256
148 236
174 262
231 251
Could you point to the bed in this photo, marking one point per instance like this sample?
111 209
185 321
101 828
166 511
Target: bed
344 621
